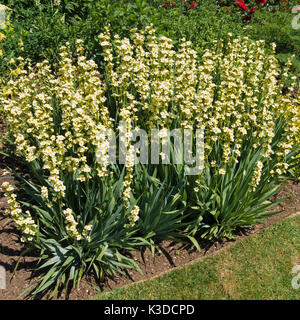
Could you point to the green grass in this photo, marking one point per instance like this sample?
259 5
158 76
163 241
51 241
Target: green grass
257 267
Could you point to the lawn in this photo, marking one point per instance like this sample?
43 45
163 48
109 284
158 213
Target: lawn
257 267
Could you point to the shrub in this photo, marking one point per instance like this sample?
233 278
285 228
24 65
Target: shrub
44 26
84 213
277 27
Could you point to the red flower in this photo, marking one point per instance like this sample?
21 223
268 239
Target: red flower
252 10
261 2
166 4
192 5
241 4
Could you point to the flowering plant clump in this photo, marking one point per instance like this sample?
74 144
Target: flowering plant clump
24 221
85 213
249 7
297 123
2 37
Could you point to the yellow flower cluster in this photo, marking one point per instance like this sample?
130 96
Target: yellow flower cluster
24 221
44 193
256 175
297 124
71 226
133 217
2 36
232 91
31 111
57 118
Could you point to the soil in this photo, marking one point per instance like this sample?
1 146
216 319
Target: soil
168 256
